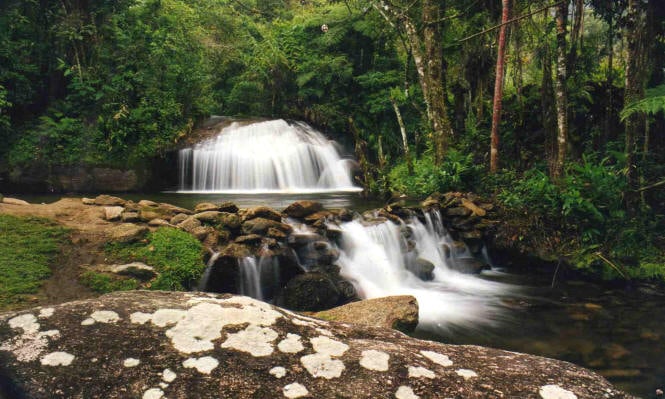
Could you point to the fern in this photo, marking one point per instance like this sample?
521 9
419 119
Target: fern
652 103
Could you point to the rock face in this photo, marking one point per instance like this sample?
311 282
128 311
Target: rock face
193 345
396 312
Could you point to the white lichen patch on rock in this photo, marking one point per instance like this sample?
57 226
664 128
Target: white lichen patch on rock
88 322
105 316
277 372
374 360
168 375
295 390
27 322
204 365
437 358
327 346
291 344
255 340
153 393
140 317
404 392
322 365
31 343
166 317
418 372
466 374
45 313
131 362
57 359
555 392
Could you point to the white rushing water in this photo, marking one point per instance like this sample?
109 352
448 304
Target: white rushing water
375 258
265 157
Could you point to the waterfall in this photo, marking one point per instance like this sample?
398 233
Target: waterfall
259 278
270 156
377 259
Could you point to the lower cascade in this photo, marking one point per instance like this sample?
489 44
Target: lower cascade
270 156
379 257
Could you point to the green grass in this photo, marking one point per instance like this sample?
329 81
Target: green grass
177 256
103 283
28 246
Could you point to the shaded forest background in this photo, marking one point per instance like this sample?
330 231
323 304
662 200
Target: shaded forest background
579 135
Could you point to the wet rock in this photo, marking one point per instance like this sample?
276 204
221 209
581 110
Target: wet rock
201 232
261 225
469 265
475 210
276 234
147 214
179 218
131 206
320 215
251 239
88 201
194 345
228 220
205 206
189 224
108 200
208 216
158 223
149 203
422 268
228 207
137 270
235 250
130 217
300 209
263 212
396 312
458 211
127 232
430 203
113 212
310 291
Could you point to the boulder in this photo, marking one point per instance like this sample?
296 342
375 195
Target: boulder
469 265
113 212
130 217
137 270
109 200
179 218
251 239
311 292
205 206
158 223
228 207
261 226
264 212
14 201
228 220
475 209
189 224
174 210
127 232
397 312
422 268
208 216
151 344
148 203
458 211
300 209
88 201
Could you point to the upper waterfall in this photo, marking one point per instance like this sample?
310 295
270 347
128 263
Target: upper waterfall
261 157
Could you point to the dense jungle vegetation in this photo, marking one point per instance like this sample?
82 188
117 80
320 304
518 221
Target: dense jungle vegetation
554 108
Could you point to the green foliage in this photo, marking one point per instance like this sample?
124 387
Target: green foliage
28 247
458 172
104 283
652 103
177 256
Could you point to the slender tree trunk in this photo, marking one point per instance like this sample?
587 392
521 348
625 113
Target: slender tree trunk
427 53
609 110
560 90
548 110
361 154
498 89
634 91
405 142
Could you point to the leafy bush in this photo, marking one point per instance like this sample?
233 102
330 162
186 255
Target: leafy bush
28 246
457 172
175 254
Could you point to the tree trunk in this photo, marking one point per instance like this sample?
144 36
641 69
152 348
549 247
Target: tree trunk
361 154
405 142
560 91
498 89
427 53
634 91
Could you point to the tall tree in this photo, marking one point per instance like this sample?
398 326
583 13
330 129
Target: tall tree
560 89
498 87
423 31
636 75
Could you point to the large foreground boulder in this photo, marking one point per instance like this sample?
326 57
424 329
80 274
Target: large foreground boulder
193 345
